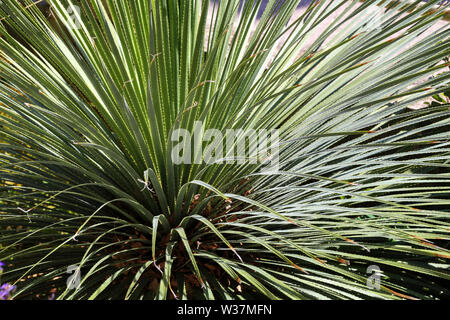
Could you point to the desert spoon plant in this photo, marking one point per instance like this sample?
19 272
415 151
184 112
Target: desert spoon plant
92 93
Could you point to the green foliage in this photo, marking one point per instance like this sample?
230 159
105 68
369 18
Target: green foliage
88 107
